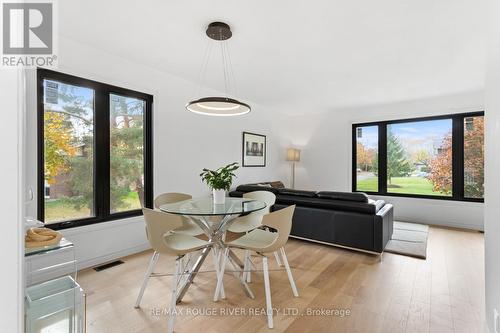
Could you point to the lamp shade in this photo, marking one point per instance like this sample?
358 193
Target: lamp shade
293 154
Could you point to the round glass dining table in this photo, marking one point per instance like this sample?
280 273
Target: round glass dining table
206 207
213 219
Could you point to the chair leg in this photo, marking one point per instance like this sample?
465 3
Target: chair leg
247 275
221 275
277 257
187 260
267 288
289 272
245 267
184 263
247 270
216 257
151 267
171 319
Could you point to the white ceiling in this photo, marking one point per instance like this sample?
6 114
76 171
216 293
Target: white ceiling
299 56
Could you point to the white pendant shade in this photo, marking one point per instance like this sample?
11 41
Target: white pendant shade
218 106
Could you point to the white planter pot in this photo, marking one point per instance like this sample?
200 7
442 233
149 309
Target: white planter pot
219 196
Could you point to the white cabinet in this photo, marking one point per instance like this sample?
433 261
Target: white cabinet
55 306
43 264
54 302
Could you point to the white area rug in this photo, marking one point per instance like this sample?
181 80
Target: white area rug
409 239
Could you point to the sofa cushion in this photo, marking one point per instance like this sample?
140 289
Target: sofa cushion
277 184
253 188
300 193
346 196
236 194
340 205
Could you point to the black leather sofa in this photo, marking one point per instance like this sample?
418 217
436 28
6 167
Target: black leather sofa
343 219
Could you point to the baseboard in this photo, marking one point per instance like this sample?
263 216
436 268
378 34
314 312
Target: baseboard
468 226
112 256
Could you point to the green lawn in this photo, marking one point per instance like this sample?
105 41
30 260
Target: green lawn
408 185
368 185
62 209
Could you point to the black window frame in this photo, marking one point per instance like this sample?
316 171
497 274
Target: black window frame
457 156
102 93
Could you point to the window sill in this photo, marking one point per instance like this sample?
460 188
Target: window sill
95 221
426 197
83 229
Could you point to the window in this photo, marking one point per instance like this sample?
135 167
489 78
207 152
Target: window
474 157
94 151
437 157
68 127
367 158
419 157
127 158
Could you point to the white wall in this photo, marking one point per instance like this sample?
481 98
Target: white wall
11 202
184 143
492 202
326 143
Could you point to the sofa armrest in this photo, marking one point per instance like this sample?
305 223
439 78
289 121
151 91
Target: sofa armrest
383 223
387 209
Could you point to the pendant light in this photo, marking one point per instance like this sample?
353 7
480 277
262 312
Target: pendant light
219 106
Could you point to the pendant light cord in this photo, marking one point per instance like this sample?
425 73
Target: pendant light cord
224 66
227 66
231 70
204 65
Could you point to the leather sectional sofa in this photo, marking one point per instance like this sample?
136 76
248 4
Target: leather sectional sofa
342 219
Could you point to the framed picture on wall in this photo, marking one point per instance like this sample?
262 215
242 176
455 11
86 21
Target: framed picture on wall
254 150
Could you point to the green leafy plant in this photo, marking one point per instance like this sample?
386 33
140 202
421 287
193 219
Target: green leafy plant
220 179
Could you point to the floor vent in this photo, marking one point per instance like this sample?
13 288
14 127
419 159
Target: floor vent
108 265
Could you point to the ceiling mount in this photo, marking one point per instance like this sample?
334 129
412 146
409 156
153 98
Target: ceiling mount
219 31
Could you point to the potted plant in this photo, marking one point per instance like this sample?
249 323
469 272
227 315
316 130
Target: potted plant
219 180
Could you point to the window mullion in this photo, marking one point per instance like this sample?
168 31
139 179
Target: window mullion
148 154
101 149
458 158
382 160
40 148
354 159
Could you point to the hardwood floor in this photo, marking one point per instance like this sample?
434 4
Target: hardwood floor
391 293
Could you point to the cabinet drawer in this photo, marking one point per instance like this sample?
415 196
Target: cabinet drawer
49 265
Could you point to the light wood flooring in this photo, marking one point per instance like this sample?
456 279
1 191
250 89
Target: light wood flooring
391 293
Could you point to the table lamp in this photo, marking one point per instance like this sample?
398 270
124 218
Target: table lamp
293 155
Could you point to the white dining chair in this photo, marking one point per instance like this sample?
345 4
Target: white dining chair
188 227
160 231
264 242
244 224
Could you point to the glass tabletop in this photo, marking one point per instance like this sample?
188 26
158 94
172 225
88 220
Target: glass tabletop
206 207
63 243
